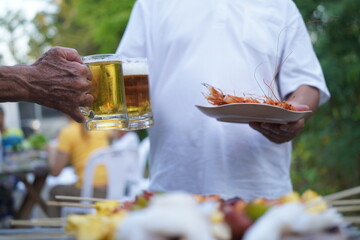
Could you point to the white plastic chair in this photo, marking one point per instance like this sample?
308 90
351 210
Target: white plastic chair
122 169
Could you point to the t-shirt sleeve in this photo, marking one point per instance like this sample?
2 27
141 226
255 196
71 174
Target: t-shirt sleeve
133 42
299 64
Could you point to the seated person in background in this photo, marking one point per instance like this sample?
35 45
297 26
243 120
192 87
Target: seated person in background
10 140
74 147
6 200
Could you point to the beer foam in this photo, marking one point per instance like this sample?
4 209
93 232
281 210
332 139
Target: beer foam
101 58
134 68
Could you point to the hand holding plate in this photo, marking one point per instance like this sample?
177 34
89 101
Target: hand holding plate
281 133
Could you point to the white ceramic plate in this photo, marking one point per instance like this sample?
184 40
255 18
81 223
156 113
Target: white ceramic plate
252 112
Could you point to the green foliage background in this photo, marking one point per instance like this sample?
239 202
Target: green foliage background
90 26
326 155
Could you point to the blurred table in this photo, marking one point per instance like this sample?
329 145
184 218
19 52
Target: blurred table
21 165
35 234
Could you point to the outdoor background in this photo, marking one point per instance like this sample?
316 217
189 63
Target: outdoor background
326 156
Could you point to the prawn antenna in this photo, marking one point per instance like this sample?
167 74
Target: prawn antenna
277 49
257 82
272 91
280 66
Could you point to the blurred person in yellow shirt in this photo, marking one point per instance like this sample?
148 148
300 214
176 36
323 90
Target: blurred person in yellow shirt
74 146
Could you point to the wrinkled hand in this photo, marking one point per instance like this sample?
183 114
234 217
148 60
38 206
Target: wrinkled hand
281 133
61 81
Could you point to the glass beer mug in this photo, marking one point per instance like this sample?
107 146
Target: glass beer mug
136 82
108 110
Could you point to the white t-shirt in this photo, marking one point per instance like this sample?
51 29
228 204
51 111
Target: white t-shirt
233 45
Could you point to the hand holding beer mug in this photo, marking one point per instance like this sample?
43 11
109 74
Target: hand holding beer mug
108 111
136 81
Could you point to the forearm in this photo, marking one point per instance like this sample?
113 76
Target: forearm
58 80
14 83
305 95
57 161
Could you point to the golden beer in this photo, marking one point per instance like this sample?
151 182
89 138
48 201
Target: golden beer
108 110
136 81
107 88
137 94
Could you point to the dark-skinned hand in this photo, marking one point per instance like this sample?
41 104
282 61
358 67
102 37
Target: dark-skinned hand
61 81
281 133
